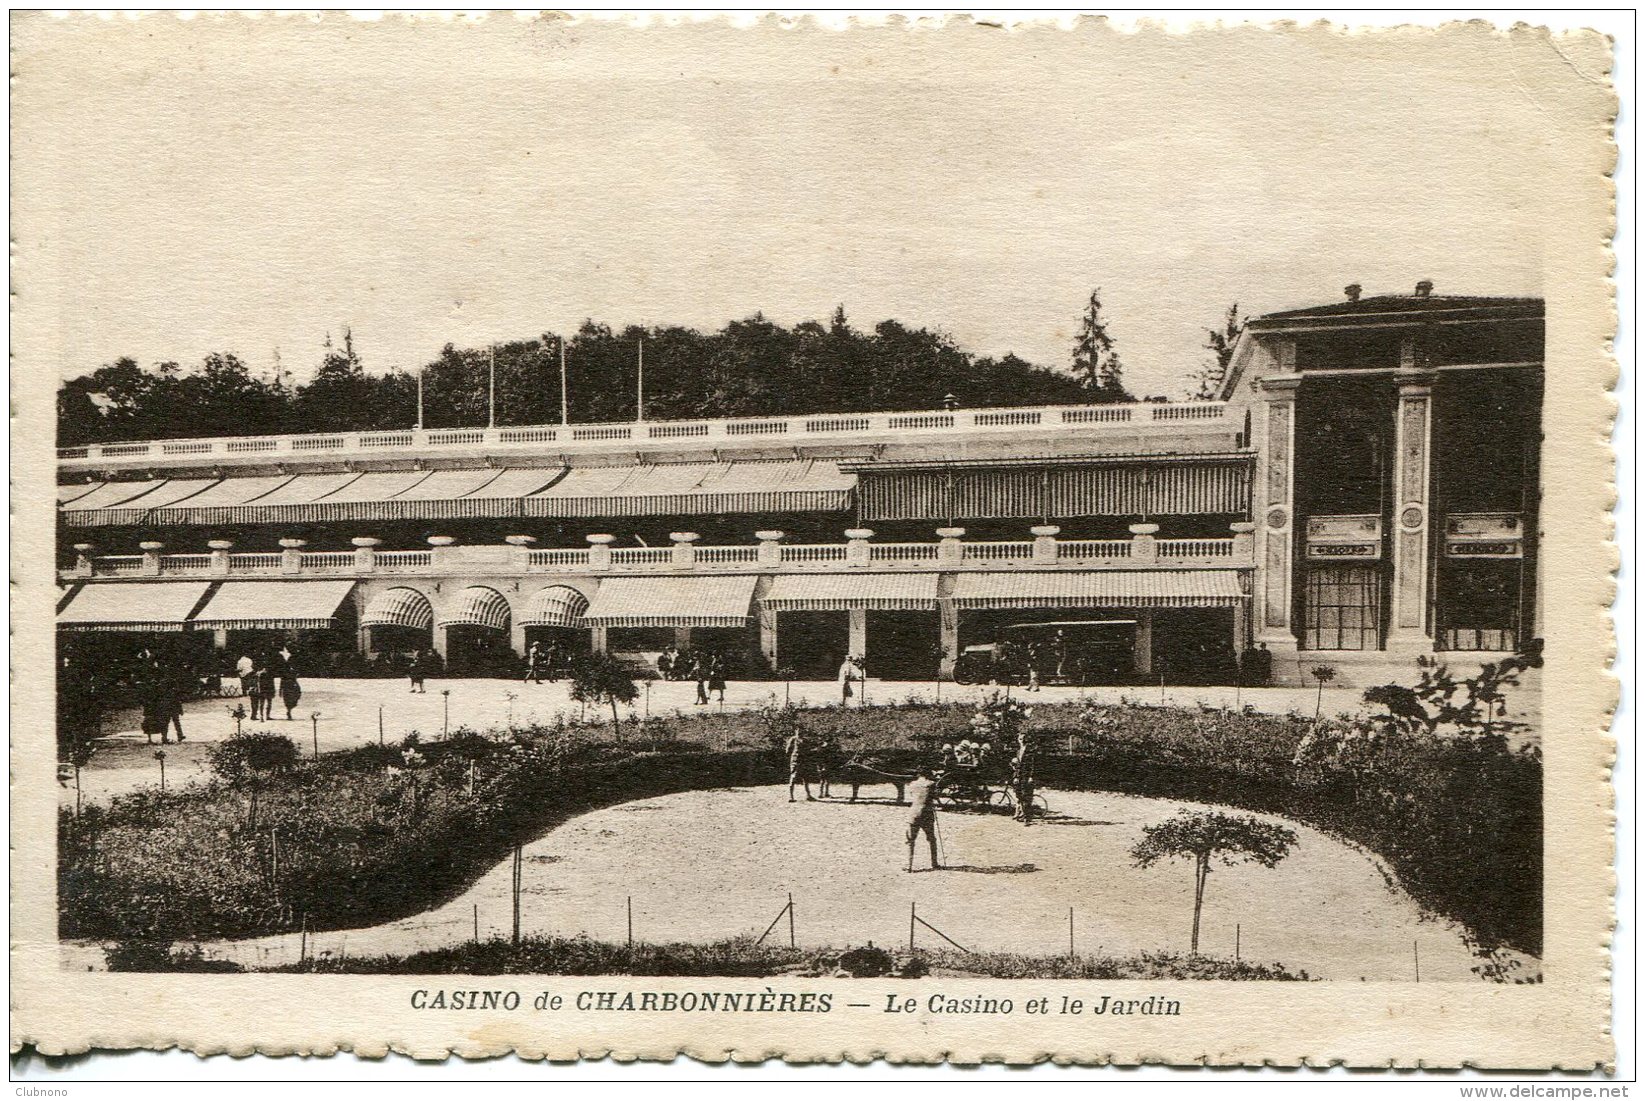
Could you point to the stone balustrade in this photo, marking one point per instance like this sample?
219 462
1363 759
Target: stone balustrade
772 553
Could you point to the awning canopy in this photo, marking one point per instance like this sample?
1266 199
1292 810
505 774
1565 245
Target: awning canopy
672 602
478 606
134 510
67 493
675 489
398 607
110 494
1105 589
227 502
555 606
274 605
132 605
842 592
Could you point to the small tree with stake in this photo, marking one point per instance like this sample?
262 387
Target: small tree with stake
1232 839
1323 675
602 679
248 760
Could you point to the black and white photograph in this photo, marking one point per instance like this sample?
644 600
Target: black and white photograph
569 502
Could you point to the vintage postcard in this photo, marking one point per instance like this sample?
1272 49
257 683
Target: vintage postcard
912 540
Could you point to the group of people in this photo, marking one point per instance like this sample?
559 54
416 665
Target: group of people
266 676
544 660
708 668
162 684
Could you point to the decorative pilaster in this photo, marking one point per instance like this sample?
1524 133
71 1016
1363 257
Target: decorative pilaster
1245 541
1045 542
365 552
291 555
684 553
82 559
1408 604
856 546
599 558
770 550
1273 495
219 556
1144 544
151 549
857 633
440 550
950 551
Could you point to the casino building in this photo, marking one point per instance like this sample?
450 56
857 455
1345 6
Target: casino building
1365 491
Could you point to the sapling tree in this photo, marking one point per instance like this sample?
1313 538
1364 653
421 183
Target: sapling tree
1201 835
248 760
1323 675
602 679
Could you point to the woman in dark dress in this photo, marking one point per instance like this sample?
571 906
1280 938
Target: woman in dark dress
290 690
716 676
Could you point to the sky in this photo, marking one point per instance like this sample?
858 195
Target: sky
222 185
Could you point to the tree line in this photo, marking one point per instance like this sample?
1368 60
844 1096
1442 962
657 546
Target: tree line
749 368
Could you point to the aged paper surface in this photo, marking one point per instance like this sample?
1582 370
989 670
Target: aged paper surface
188 188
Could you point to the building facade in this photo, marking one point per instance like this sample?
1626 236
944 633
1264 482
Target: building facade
1364 491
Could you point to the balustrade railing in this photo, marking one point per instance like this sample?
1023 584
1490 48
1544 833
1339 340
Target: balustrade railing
1196 548
1093 548
1177 416
981 555
994 552
185 563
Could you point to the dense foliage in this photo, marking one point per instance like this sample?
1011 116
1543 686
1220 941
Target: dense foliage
752 367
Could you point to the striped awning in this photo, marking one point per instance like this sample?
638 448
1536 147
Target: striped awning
227 502
478 606
672 602
136 509
132 605
274 605
110 494
893 592
555 606
67 493
398 607
681 489
1106 589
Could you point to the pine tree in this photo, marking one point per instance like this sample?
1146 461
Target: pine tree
1096 361
1220 343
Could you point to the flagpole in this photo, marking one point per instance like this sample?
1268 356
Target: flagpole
639 386
563 418
491 407
419 399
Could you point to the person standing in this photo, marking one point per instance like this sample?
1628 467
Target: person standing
1033 669
290 690
150 696
1022 779
699 673
716 674
415 671
244 668
262 698
848 672
922 816
175 680
533 664
798 765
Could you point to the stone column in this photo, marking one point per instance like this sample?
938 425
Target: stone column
1408 604
1144 544
365 552
82 559
599 558
684 553
857 636
950 551
1045 542
596 639
219 638
770 550
151 549
1142 651
1245 541
219 559
522 545
768 636
682 637
948 628
1272 494
856 546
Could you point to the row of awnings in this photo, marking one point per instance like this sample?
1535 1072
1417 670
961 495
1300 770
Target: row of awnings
622 601
703 488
